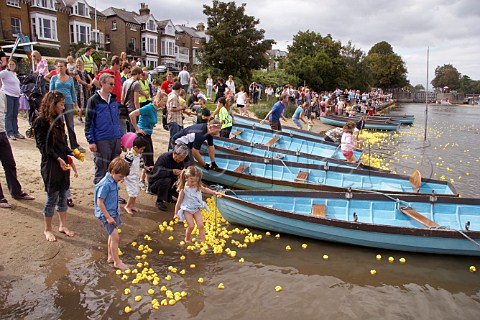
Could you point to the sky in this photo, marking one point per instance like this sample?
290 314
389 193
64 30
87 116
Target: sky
450 29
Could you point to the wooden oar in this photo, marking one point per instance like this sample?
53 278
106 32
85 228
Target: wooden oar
416 181
418 217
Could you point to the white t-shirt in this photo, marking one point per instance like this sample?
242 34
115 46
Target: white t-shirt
10 83
184 77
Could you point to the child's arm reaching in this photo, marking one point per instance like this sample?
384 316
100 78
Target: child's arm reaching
74 168
101 205
179 202
210 191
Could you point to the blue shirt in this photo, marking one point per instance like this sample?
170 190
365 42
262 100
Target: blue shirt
148 118
107 189
277 111
67 88
296 114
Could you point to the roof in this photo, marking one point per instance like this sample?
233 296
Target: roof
190 31
70 3
163 23
127 16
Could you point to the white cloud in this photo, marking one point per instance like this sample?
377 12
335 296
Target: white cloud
449 27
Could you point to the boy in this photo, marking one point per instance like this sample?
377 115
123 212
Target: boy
106 207
132 182
203 113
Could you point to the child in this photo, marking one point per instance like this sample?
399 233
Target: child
71 165
189 201
310 122
203 113
132 182
106 207
347 142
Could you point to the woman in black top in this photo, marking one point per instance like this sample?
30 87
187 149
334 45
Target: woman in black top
220 88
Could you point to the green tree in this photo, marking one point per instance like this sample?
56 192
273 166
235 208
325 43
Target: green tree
274 77
446 76
356 71
316 60
386 68
419 87
235 46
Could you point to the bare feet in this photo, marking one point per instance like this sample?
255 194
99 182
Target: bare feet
131 210
49 235
122 266
66 231
110 260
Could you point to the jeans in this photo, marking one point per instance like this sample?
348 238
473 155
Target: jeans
9 166
209 91
174 128
107 150
68 116
58 199
11 115
298 123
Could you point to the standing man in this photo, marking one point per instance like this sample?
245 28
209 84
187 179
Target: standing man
88 63
174 116
125 74
114 71
145 97
103 64
184 78
167 85
231 85
102 127
131 96
276 113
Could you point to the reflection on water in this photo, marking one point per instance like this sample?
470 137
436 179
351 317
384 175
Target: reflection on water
425 287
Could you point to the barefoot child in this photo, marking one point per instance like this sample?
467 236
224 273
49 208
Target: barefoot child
106 207
348 144
132 182
189 202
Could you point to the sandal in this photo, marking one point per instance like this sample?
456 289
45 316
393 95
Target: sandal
70 203
24 196
4 203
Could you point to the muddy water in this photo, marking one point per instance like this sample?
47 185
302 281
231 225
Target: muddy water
341 287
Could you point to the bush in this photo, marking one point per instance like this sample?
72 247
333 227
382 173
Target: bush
262 108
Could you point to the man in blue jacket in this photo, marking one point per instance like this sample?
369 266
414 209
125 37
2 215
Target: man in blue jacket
102 126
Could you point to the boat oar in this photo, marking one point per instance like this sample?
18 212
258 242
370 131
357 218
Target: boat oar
416 181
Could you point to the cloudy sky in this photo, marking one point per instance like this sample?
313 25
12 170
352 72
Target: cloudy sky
451 28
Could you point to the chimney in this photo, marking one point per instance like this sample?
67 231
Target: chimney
200 26
144 11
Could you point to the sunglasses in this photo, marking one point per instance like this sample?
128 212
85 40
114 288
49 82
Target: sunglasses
111 83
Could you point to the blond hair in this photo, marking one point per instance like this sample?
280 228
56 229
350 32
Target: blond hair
190 172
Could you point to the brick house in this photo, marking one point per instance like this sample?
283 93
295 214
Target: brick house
191 39
122 32
167 43
13 19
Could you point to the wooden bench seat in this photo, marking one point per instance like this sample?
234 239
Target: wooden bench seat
319 210
301 176
235 134
272 141
419 217
232 148
241 169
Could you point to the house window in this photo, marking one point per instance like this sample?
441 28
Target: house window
13 3
98 37
151 25
16 26
114 25
81 9
44 27
80 32
47 4
133 44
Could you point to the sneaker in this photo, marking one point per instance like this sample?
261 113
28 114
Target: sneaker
18 136
12 138
142 185
161 206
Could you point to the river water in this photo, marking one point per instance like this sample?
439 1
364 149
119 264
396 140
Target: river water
340 287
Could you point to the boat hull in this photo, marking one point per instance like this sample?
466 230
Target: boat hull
240 208
374 125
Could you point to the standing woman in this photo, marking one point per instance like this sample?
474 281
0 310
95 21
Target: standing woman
193 82
11 88
41 69
83 87
209 86
241 101
221 88
64 83
50 137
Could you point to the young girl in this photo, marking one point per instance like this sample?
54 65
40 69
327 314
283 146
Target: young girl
348 144
189 201
50 137
310 122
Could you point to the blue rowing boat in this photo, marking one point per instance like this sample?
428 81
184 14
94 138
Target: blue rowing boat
442 225
285 141
259 173
242 148
339 121
255 123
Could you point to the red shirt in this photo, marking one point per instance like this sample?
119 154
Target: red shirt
167 86
52 73
117 88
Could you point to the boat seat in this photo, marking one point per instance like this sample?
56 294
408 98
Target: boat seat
301 176
232 148
241 169
235 134
419 217
272 141
319 210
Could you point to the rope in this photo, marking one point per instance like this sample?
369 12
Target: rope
468 238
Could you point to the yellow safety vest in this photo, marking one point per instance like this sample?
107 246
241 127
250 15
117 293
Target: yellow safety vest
88 64
146 89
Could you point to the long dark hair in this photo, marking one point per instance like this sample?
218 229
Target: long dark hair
47 111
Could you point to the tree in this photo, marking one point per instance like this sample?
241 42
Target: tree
387 69
235 46
356 71
419 87
446 76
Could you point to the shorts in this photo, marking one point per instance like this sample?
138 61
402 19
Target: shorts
347 154
110 227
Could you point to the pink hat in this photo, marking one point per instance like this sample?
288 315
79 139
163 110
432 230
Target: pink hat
127 139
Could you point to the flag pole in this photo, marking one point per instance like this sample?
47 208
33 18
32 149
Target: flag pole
426 99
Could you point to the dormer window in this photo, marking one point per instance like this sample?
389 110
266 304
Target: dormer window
81 9
47 4
151 25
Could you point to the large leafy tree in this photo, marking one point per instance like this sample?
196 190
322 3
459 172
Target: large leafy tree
316 60
356 71
386 68
446 75
235 46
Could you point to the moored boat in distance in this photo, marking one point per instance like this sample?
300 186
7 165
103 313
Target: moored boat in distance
340 121
442 225
248 172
